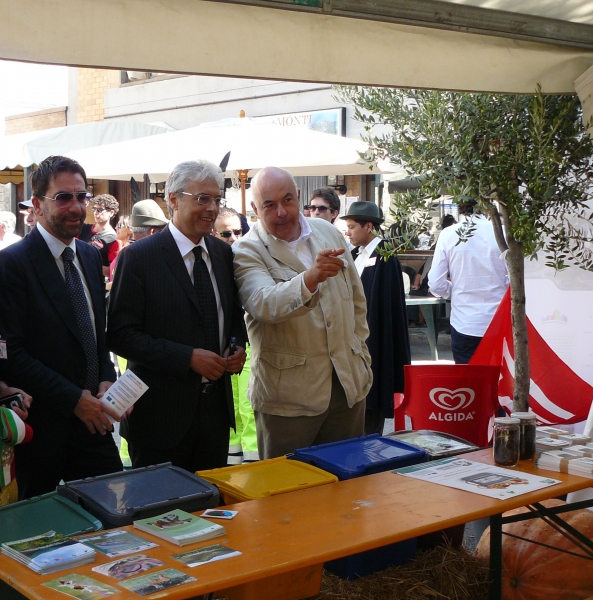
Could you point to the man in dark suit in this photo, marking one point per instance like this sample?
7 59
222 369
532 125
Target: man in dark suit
388 342
174 309
52 314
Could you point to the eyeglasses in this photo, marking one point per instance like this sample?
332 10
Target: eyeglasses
62 199
121 226
227 234
321 209
98 209
205 199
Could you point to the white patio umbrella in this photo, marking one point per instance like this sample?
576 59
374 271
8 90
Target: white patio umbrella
252 144
25 149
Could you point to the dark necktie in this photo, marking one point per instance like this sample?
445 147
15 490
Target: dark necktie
207 301
83 318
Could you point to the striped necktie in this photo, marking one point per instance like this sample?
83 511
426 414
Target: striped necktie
83 318
207 301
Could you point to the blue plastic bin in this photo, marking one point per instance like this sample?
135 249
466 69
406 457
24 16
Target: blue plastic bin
361 456
371 561
357 457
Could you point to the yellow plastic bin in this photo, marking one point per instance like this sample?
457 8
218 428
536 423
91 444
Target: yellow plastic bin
265 478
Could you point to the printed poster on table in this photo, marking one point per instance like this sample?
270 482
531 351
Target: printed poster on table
476 477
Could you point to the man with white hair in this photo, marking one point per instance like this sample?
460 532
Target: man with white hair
7 226
173 314
306 319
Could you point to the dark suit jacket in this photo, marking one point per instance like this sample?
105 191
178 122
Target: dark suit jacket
388 341
155 322
45 353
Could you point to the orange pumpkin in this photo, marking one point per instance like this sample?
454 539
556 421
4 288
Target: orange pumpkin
532 572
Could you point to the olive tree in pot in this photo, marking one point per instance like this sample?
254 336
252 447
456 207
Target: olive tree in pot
526 160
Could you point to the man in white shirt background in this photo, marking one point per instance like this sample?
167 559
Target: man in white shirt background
7 226
473 274
388 341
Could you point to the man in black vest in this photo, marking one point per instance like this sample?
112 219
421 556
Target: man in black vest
388 342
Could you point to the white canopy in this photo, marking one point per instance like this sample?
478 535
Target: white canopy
30 148
253 145
460 44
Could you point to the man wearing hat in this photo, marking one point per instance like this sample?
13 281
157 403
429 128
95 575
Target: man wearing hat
26 209
388 342
147 218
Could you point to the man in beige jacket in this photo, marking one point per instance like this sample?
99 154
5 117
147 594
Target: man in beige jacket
306 319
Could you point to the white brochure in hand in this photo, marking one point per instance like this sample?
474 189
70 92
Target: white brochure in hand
124 393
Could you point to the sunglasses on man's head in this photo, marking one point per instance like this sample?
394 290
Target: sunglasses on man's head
321 209
227 234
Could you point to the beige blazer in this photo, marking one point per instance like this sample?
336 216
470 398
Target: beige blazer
294 345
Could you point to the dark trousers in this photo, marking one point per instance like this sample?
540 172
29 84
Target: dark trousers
278 435
463 346
67 453
204 446
373 422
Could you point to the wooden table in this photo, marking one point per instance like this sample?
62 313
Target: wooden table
286 539
428 306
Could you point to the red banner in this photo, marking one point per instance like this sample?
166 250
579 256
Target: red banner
556 395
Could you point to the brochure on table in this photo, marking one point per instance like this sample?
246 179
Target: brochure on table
476 477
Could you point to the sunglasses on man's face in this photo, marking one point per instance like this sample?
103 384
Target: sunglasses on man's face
227 234
63 199
321 209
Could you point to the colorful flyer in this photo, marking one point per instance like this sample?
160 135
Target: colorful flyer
128 566
157 582
116 542
207 554
477 477
124 393
82 587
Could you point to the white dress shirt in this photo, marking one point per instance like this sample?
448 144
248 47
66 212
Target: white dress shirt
364 254
303 252
186 247
56 247
473 274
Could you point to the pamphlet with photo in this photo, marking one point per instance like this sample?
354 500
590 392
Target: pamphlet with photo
477 477
207 554
157 581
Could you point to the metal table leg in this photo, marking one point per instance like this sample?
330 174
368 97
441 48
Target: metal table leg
428 312
495 589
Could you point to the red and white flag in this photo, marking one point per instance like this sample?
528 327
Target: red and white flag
556 394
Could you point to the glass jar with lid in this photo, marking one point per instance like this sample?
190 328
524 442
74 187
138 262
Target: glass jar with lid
506 441
527 428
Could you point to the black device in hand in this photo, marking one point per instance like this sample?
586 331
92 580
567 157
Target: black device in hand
233 346
13 401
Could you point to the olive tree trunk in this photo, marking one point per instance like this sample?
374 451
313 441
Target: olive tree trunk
515 260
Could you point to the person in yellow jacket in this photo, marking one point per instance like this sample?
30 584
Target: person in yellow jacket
243 441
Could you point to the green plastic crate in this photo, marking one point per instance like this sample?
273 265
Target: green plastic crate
44 513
